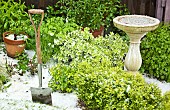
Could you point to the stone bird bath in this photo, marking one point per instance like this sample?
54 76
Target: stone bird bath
135 26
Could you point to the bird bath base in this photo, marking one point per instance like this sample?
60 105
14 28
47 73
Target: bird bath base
136 27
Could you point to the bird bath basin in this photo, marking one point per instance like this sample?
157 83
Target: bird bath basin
135 26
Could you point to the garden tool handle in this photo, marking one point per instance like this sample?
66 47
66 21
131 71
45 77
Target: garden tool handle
36 11
37 32
37 37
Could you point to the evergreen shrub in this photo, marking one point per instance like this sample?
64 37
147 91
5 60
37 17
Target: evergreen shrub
102 88
155 53
79 46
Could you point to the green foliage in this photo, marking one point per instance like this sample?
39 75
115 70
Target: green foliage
4 77
13 17
11 12
156 53
22 64
24 25
25 64
89 13
166 99
102 88
52 29
81 45
63 78
21 25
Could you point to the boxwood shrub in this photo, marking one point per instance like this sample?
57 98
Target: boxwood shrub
102 88
64 76
156 53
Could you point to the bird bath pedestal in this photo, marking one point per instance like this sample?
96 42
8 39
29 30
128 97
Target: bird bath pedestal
135 26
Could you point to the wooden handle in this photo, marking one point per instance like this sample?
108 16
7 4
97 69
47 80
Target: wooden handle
36 11
37 32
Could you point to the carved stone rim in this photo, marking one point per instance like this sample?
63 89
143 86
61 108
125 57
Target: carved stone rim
118 18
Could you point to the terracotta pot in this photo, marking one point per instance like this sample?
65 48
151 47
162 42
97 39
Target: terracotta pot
98 32
13 47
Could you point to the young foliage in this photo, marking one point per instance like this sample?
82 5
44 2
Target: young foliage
25 64
63 78
51 29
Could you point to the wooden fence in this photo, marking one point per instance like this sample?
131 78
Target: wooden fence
163 10
155 8
39 3
143 7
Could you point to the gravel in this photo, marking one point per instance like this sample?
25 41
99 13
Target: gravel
137 20
19 37
161 84
10 104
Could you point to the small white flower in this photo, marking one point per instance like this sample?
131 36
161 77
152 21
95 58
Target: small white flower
51 34
67 20
56 41
128 88
49 44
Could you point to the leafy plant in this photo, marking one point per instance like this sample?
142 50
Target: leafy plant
13 17
25 64
4 77
81 45
156 53
22 64
63 78
89 13
108 88
166 100
51 29
103 87
23 26
11 12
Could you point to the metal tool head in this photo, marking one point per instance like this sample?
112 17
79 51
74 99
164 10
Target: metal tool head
42 95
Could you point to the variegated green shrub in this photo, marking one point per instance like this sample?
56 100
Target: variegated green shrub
80 46
102 88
